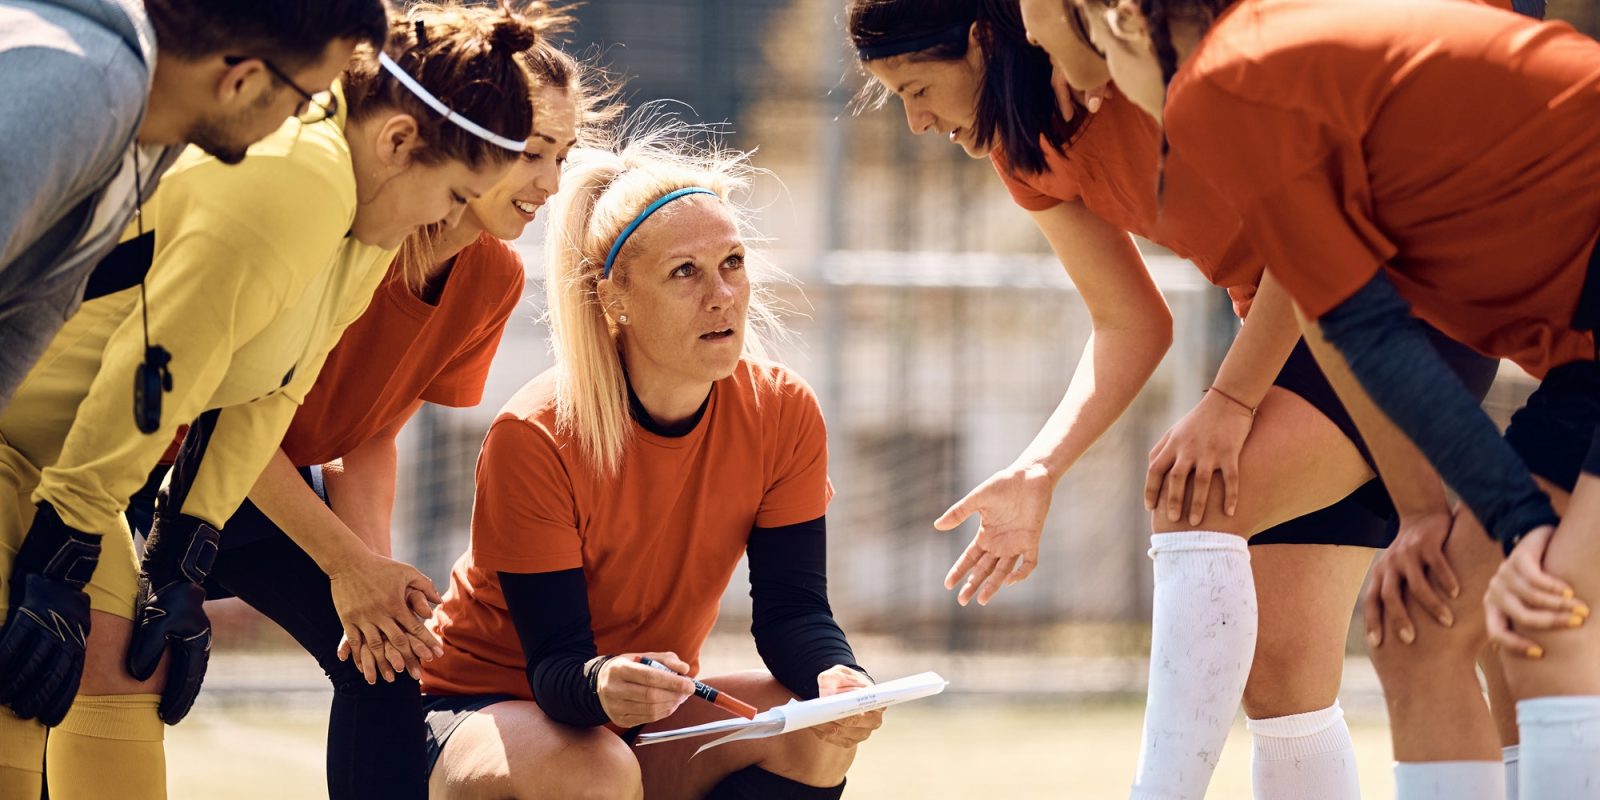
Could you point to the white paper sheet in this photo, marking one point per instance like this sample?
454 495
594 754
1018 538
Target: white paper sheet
805 714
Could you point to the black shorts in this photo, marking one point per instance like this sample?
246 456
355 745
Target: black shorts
1555 431
1366 517
445 713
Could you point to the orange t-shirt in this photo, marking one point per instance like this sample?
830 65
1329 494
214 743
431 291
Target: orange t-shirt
657 543
403 349
1455 146
1110 165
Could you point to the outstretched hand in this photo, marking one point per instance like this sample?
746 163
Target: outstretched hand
1011 507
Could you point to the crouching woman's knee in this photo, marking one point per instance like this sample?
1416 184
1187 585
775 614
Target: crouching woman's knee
520 755
595 764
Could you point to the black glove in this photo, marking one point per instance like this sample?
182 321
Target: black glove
47 626
170 610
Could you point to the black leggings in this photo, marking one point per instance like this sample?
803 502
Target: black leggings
376 734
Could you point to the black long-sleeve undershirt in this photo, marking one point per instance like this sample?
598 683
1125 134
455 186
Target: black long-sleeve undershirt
794 628
1390 356
550 611
791 620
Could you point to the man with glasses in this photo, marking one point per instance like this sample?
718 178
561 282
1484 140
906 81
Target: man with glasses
87 126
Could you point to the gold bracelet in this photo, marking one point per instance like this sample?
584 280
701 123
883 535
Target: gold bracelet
1236 401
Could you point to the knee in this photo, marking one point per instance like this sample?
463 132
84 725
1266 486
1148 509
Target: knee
1436 650
594 765
808 759
1291 675
1274 693
347 680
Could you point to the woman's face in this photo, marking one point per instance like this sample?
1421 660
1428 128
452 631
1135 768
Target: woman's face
1120 31
1060 29
686 296
505 210
396 195
938 95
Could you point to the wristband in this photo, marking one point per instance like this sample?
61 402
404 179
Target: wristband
1230 398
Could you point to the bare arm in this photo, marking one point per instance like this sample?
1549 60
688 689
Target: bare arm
361 489
1415 563
379 600
1209 439
1132 330
294 507
1413 484
1262 346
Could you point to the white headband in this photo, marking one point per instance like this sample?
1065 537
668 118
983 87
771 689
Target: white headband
434 103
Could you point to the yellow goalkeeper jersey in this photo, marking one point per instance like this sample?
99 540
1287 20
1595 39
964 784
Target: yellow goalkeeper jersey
253 279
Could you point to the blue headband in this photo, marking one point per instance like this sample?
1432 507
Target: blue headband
622 238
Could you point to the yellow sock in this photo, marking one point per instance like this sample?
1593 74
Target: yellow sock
21 756
108 746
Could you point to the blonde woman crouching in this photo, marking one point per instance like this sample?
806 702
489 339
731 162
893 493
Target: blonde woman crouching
615 494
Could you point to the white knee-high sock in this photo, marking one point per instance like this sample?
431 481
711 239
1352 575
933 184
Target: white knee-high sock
1449 780
1304 757
1202 640
1560 748
1509 755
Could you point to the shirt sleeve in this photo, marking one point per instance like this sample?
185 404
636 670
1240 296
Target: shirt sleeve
799 489
1021 193
228 257
58 150
1299 182
524 517
461 383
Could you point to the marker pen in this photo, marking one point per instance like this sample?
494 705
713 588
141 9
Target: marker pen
721 700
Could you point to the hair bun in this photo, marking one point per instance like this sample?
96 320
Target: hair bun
513 34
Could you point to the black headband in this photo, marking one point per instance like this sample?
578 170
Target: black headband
896 47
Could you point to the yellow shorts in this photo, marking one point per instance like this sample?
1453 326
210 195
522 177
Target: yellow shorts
116 580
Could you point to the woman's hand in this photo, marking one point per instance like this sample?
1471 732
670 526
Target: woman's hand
1011 505
1206 441
382 604
1523 597
1414 563
634 694
850 731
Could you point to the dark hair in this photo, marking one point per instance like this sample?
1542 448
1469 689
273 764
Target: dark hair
470 58
594 96
1016 104
1159 14
289 33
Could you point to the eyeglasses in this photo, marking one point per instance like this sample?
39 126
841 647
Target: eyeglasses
313 107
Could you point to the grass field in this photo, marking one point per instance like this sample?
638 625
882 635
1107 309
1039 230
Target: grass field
949 748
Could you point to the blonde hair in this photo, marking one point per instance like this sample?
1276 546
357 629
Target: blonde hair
604 189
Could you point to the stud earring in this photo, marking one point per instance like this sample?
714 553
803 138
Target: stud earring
623 319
